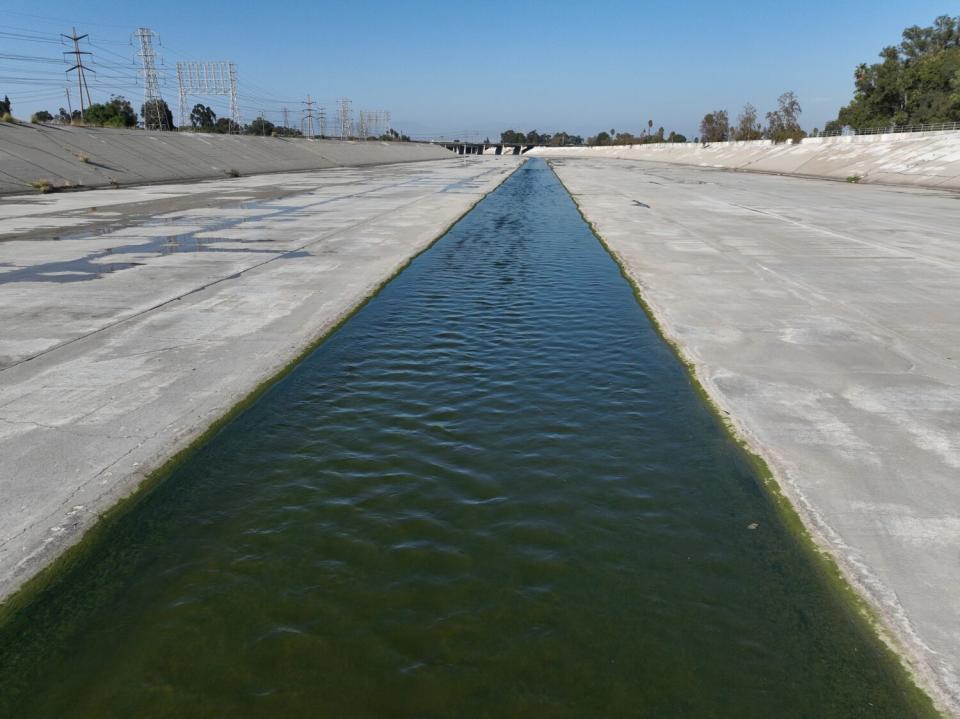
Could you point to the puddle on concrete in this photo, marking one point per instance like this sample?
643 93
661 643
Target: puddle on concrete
101 263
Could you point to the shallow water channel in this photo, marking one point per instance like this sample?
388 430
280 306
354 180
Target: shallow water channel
493 492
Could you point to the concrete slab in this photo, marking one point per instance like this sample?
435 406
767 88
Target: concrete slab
824 320
120 345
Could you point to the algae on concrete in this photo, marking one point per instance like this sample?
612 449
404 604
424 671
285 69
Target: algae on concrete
820 320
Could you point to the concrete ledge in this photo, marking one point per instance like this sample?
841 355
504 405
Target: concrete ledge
923 159
101 157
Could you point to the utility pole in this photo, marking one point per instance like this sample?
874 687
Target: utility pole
263 124
308 117
79 66
151 81
286 118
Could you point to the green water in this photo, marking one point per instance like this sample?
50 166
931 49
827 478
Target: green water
492 493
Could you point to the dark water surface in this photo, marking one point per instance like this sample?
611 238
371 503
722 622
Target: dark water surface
492 493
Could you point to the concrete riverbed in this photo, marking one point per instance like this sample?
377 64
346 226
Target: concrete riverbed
822 318
133 319
492 491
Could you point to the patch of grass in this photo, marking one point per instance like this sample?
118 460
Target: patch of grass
854 179
42 186
7 117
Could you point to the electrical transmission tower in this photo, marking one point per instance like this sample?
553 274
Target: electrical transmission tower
307 127
373 123
234 98
151 82
322 121
383 122
362 125
344 120
208 78
286 118
79 66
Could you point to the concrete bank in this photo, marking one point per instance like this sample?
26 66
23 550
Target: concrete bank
929 159
121 346
102 157
822 320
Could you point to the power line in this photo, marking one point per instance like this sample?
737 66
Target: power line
115 70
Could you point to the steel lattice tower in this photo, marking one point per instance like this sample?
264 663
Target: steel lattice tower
234 97
204 77
307 125
151 80
344 119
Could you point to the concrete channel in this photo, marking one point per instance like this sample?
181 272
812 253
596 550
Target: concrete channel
492 491
819 317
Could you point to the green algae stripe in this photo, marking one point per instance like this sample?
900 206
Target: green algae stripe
826 566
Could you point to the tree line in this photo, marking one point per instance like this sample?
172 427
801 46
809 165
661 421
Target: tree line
119 112
556 139
783 123
559 139
915 82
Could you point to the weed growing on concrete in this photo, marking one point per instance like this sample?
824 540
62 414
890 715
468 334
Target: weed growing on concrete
42 186
854 179
83 158
232 172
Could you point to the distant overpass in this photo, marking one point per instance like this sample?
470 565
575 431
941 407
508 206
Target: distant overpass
484 148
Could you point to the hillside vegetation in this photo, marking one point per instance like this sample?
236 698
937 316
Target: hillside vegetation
916 82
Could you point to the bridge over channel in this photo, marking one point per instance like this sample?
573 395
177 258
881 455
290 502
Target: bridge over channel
484 148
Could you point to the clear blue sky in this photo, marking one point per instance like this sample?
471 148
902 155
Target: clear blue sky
447 68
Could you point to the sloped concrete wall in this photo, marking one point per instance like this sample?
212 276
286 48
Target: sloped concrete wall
930 159
100 157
